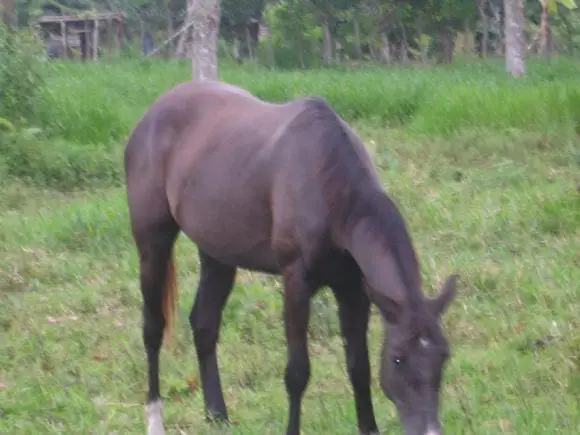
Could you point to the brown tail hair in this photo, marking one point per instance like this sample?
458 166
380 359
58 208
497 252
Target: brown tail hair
169 297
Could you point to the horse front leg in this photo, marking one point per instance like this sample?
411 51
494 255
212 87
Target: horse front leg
297 295
354 313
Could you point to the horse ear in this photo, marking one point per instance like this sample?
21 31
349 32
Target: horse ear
439 303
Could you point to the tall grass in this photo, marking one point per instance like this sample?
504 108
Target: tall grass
98 103
84 112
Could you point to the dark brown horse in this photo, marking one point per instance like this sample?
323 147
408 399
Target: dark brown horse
285 189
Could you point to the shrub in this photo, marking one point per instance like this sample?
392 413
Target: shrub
20 73
57 164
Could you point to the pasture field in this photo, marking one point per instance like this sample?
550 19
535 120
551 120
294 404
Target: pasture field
485 170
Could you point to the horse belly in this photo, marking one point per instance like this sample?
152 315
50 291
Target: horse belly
258 257
236 245
235 232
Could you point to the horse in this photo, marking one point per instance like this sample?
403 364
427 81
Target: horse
286 189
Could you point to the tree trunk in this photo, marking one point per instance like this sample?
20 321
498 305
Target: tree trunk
404 57
170 30
96 31
485 25
423 46
236 50
326 44
249 43
444 44
550 47
500 25
64 34
373 53
180 49
448 46
271 53
185 37
142 34
514 37
570 33
467 49
404 44
7 13
357 38
298 35
385 49
544 29
205 15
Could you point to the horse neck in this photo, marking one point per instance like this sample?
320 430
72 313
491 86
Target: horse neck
379 242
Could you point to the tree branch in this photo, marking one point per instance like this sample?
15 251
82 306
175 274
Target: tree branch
171 38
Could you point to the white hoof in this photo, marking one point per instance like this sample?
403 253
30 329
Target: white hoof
154 418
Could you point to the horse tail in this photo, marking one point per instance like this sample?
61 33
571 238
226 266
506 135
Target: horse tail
169 296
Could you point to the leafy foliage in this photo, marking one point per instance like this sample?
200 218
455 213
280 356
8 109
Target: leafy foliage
416 30
20 73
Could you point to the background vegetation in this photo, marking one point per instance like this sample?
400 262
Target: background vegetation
485 169
311 33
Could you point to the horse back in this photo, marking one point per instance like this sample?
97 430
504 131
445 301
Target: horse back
244 179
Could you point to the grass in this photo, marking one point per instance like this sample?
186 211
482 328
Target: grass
494 199
75 106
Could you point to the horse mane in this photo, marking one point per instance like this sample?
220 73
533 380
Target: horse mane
342 171
353 193
390 227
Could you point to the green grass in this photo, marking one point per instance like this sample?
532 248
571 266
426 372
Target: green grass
493 198
98 103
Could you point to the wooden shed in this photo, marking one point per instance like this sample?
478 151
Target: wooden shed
82 31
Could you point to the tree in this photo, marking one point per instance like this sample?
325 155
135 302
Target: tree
548 7
239 25
295 33
205 16
7 12
514 37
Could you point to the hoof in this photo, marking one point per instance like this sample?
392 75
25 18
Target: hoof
217 417
218 420
154 415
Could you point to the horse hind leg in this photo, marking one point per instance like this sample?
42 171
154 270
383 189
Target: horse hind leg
215 285
155 236
298 291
